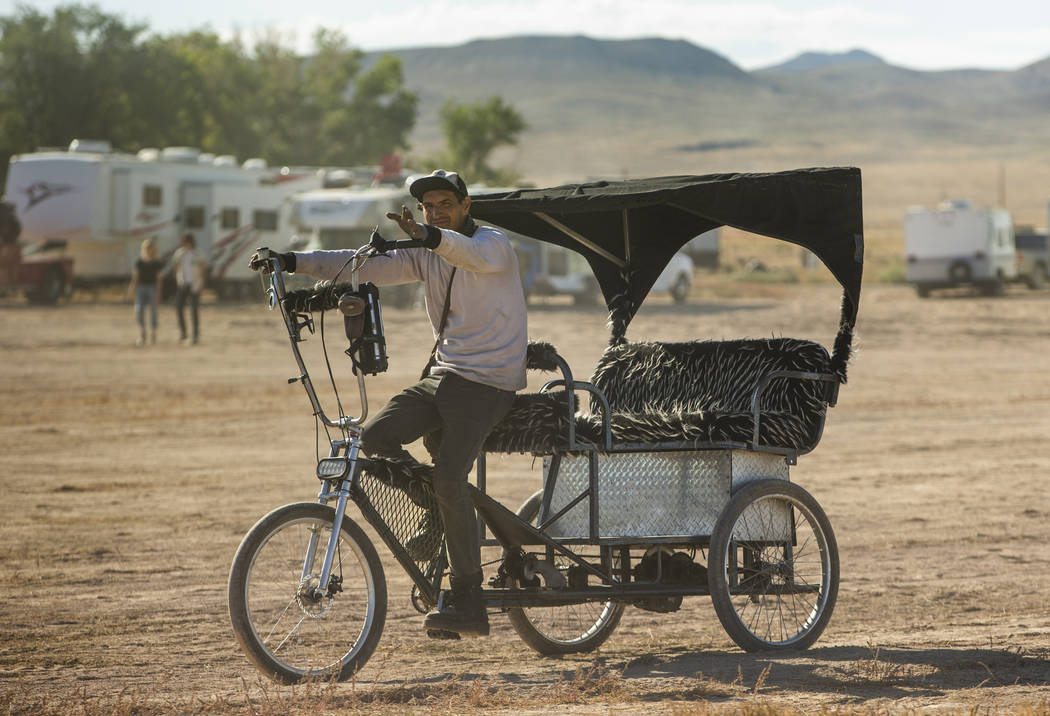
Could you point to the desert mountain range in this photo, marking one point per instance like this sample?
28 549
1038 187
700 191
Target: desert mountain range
651 106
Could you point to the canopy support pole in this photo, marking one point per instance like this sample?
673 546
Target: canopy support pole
582 239
626 237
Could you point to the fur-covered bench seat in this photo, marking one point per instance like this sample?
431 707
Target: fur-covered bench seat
697 392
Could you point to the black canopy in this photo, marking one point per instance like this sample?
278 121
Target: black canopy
629 230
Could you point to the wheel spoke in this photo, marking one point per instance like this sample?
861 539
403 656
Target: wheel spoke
787 567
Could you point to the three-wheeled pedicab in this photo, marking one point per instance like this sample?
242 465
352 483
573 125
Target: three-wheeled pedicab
673 484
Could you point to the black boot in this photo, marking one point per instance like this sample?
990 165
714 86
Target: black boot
462 610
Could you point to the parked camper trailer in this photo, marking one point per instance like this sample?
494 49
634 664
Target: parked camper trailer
956 244
99 205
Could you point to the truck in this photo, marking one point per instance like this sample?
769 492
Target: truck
1033 254
97 205
38 272
956 244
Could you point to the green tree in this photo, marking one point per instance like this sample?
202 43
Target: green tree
473 131
64 76
372 120
202 86
81 73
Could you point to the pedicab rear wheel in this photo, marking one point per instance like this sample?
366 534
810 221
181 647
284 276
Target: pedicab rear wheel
773 568
563 629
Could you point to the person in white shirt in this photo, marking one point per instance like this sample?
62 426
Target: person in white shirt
190 271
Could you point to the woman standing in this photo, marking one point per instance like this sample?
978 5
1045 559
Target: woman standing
145 289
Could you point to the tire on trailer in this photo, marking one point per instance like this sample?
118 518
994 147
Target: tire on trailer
680 290
51 288
285 631
567 629
960 272
773 568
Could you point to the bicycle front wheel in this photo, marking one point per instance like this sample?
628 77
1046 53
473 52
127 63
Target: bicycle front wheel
288 629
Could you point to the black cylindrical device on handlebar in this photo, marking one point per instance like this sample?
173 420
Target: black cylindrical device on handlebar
364 329
382 245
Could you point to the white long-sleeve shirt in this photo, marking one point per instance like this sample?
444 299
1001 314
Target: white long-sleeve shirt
487 333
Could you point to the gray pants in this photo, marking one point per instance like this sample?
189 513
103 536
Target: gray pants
185 294
466 412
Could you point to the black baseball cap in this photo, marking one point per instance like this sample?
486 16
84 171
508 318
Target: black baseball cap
440 179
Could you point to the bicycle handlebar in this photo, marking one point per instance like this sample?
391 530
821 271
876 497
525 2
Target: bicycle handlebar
382 245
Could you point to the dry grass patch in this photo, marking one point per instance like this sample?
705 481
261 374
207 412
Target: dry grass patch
587 684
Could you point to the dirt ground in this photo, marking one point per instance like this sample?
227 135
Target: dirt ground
129 476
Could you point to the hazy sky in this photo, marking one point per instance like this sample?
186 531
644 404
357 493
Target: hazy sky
921 34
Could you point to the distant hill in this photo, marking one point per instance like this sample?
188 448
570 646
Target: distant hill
632 107
580 57
819 60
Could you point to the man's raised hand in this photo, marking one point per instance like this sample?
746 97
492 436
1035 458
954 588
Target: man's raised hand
407 223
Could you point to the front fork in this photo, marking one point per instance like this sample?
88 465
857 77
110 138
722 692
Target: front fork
342 495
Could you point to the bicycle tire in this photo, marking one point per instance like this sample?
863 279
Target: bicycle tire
287 633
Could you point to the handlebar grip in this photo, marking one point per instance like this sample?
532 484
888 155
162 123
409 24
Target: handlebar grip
319 298
264 254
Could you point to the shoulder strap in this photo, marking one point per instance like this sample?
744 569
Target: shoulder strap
441 326
469 229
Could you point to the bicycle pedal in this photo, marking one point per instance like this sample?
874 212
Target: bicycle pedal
442 634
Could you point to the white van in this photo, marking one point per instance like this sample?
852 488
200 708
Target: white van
958 245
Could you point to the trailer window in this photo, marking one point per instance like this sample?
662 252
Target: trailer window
230 218
194 217
152 195
1032 242
264 220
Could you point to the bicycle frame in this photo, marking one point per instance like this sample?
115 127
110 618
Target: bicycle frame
346 486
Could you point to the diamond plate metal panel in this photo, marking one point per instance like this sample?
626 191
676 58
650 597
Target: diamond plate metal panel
749 466
653 494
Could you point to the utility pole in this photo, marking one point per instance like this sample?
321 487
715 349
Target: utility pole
1002 185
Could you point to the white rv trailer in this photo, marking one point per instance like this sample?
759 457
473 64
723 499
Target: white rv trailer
345 218
956 244
100 204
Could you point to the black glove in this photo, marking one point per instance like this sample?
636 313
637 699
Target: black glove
433 237
286 262
377 242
